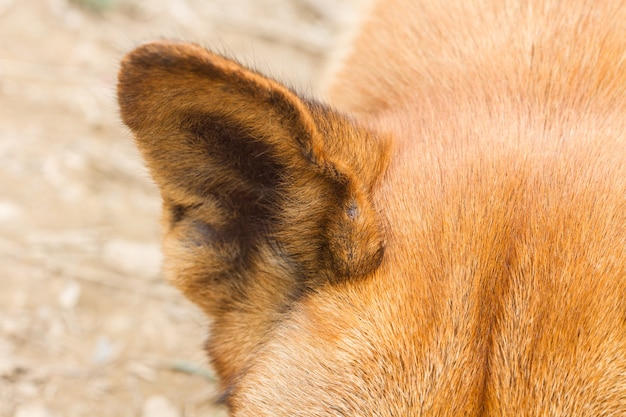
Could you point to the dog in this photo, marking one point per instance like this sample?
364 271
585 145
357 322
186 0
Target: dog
446 236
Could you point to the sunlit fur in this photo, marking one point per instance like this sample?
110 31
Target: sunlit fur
447 239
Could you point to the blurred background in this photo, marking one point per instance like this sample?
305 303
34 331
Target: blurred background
88 327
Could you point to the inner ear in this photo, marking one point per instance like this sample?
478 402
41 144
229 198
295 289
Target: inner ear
249 168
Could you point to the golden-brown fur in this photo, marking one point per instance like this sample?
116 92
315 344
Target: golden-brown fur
455 246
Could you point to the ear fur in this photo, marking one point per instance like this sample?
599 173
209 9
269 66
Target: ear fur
265 195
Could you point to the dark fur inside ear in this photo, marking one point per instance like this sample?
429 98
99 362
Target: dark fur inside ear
235 149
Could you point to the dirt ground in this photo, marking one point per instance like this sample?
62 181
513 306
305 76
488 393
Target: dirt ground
88 327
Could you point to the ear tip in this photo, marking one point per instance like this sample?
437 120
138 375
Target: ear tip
168 54
146 71
160 60
158 49
149 55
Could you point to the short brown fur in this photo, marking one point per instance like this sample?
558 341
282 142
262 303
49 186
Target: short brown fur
452 242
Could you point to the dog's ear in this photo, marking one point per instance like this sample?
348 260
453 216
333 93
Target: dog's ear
265 195
263 191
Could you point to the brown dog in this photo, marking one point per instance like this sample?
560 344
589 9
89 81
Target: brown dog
450 242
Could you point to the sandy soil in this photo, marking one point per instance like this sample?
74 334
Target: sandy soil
88 327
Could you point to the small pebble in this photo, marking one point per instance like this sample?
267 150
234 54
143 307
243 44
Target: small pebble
159 406
68 298
32 410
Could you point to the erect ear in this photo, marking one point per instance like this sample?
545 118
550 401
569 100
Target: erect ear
264 195
252 177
